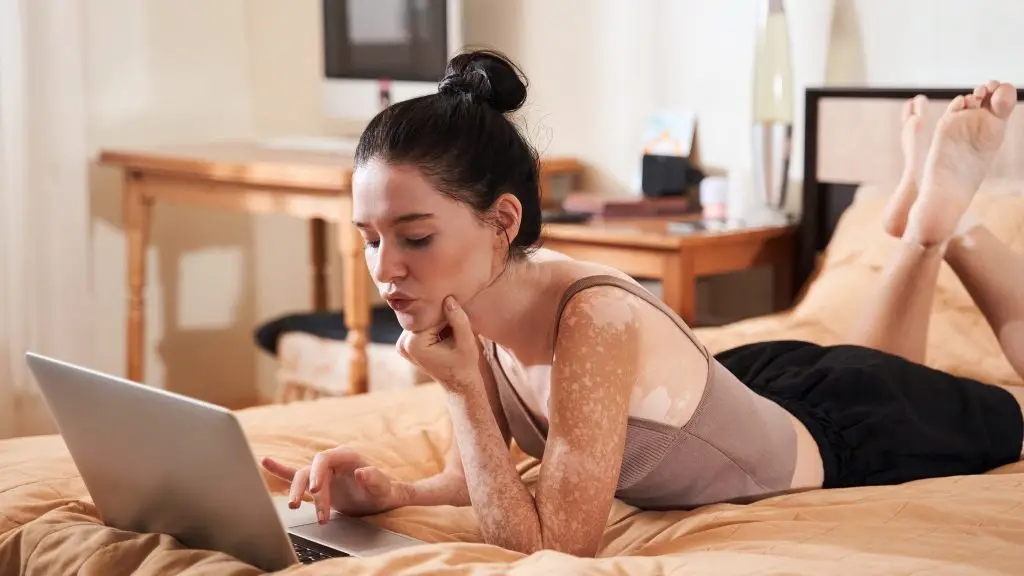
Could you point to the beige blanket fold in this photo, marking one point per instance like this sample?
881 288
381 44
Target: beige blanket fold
964 525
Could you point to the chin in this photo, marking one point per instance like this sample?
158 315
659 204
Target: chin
418 320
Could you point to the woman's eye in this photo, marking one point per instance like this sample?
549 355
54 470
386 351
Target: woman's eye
371 243
419 242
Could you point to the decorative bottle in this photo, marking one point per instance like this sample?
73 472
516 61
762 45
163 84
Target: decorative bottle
773 112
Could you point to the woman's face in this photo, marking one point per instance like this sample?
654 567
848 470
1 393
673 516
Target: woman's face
421 246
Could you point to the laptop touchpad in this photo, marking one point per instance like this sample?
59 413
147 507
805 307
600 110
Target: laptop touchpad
358 537
304 514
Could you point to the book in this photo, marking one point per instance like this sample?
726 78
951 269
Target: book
625 207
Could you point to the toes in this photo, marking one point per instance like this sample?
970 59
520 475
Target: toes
918 105
980 92
907 111
992 85
1003 100
913 109
957 104
974 102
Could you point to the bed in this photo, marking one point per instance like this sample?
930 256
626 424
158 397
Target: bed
963 525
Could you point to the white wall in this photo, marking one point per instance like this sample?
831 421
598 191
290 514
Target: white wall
165 70
171 71
599 67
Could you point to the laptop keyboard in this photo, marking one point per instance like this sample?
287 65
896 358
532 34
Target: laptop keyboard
309 552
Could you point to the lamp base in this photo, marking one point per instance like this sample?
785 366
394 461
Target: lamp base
772 147
760 215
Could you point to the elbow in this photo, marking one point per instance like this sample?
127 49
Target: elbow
574 540
556 543
532 543
531 535
524 542
580 550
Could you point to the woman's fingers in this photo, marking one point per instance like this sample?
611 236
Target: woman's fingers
299 479
316 479
300 482
322 499
326 464
286 473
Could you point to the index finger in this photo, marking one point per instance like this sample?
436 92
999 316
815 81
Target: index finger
279 470
341 457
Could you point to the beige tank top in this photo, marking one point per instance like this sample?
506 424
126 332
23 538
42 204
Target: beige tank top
737 447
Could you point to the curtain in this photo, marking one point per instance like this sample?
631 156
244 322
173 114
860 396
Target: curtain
44 201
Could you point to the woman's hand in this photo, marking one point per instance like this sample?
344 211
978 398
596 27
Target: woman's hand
341 479
449 352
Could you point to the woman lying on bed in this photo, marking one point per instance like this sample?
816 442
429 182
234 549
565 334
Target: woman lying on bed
586 370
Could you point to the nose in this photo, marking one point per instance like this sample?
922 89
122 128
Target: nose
386 264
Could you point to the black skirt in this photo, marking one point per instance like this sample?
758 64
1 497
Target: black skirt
880 419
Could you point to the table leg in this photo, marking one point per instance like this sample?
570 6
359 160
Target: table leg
136 214
679 287
357 301
545 191
782 277
318 251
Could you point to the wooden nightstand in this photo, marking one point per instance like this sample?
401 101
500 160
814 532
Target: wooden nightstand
650 248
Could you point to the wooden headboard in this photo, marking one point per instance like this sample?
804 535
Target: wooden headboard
851 138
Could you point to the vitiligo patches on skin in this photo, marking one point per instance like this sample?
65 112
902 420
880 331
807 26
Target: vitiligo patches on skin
615 356
672 371
597 360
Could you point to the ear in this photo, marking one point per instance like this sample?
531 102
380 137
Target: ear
508 214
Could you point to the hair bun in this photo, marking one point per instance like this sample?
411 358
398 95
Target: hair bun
485 76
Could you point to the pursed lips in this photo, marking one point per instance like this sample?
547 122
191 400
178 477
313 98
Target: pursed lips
398 301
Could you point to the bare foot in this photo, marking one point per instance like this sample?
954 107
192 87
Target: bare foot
912 140
966 140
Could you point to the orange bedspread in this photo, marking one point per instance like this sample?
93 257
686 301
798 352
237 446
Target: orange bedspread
964 525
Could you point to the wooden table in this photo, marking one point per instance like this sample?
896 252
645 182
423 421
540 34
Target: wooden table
648 248
256 177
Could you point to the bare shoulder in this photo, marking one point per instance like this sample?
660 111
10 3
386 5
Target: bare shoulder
599 324
546 255
566 266
596 366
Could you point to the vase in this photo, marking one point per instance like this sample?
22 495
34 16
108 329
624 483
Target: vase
772 130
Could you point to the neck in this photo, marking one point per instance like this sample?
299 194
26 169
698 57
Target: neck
517 300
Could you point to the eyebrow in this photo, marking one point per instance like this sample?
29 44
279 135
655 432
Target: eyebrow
403 219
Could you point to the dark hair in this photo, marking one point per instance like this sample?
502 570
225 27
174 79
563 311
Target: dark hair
462 142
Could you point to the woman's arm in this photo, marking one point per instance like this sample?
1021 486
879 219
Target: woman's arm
448 487
597 359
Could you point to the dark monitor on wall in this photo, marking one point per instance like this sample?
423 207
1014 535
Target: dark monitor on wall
398 40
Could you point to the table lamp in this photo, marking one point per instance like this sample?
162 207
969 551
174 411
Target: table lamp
772 115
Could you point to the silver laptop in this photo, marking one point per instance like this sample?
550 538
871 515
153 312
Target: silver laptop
158 462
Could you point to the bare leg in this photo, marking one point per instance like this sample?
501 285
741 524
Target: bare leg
991 272
908 282
913 141
993 275
968 136
895 319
